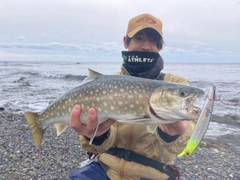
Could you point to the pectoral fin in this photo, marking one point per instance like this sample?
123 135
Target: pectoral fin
151 128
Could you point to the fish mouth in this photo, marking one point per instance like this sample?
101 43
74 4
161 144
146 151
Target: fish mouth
189 107
154 114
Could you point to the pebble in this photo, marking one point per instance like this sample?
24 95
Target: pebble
57 157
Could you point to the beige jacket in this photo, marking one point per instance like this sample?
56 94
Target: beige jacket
136 138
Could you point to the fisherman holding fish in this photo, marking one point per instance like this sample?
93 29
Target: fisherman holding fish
134 122
129 151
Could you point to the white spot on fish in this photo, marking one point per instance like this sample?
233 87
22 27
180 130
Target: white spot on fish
110 97
99 109
121 90
131 105
105 104
98 99
130 96
112 108
104 92
120 103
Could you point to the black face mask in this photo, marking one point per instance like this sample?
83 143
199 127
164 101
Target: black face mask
143 64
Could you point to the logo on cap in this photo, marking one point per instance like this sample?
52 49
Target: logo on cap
146 20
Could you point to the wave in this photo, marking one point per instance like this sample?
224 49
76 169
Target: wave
230 119
50 75
74 77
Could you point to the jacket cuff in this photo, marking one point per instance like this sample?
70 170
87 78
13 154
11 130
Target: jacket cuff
178 145
100 139
104 145
166 137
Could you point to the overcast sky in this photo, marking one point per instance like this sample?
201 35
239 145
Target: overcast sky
92 30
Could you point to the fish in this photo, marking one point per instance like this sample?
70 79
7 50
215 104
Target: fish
202 124
126 99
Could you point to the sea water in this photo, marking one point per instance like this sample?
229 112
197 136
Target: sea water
30 86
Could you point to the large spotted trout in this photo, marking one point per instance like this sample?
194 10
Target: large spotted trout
126 99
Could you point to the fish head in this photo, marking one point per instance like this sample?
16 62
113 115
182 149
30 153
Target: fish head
174 103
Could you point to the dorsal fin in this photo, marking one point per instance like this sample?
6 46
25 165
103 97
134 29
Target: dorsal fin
92 75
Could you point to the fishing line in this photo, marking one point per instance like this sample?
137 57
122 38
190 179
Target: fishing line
228 103
221 101
214 98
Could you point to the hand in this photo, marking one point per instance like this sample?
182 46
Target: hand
89 128
176 128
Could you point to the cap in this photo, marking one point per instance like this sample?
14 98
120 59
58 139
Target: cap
143 21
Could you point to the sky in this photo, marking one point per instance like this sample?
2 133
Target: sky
198 31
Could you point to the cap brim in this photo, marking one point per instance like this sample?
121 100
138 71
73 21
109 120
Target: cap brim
136 30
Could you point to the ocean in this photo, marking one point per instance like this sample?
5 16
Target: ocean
30 86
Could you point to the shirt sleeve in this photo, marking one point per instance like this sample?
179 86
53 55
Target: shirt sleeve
175 79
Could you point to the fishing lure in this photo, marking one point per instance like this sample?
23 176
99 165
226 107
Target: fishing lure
201 125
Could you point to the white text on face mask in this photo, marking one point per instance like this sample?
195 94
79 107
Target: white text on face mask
139 59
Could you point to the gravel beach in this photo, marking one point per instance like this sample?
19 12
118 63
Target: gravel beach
58 156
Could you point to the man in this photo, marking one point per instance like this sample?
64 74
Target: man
129 151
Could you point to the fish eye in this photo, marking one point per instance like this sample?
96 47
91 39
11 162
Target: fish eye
183 93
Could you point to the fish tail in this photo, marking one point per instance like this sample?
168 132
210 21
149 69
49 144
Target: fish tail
37 131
